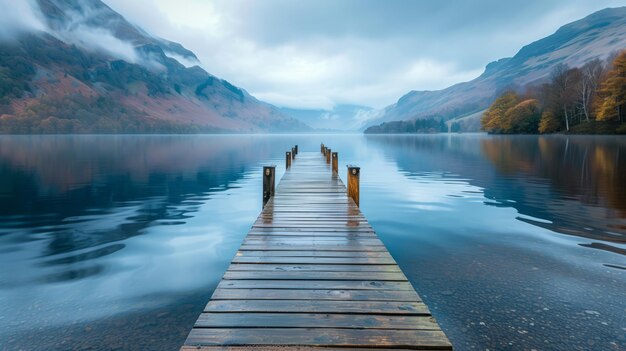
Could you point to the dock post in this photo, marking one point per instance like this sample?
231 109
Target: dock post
296 149
288 160
293 153
328 153
269 177
322 148
335 157
353 183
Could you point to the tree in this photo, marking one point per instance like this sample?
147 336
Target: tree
562 90
493 120
592 73
523 117
549 123
613 91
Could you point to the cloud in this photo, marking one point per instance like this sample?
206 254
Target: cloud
316 54
19 16
185 61
101 40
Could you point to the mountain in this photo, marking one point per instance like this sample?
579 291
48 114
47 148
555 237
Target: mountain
83 68
598 35
340 118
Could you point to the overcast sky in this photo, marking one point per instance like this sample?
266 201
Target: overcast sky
317 53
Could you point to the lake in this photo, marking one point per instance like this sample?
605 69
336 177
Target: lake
116 242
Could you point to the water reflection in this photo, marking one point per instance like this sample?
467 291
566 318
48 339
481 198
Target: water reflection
574 185
107 239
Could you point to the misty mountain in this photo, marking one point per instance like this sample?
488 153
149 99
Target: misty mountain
340 118
79 66
596 36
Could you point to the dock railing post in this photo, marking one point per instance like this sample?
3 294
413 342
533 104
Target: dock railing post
269 177
293 153
322 148
335 157
328 153
353 183
287 159
296 149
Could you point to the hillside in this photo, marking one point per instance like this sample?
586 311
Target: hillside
85 69
596 36
339 118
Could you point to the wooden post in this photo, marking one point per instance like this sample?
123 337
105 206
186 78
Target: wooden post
328 153
335 157
296 149
288 159
269 177
322 148
353 183
293 153
325 150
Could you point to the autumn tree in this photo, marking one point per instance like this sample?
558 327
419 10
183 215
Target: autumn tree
549 123
494 120
612 102
523 117
592 73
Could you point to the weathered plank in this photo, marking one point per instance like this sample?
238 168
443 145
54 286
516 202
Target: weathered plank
315 320
320 294
312 275
319 337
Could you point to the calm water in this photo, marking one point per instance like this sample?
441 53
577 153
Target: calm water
116 242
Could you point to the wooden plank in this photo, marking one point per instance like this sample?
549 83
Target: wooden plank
319 337
315 260
320 294
314 275
317 306
261 247
315 320
314 284
313 267
383 254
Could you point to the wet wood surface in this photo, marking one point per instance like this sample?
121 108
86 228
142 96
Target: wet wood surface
313 275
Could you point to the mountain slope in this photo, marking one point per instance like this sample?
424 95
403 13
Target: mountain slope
340 118
90 70
595 36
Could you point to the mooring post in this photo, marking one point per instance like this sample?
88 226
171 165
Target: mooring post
269 177
325 150
353 183
335 157
322 148
296 149
293 153
288 159
328 153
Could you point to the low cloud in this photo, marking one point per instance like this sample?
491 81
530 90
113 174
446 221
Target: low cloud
17 17
101 40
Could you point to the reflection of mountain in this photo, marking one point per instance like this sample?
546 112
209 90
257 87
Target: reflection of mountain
576 183
83 68
89 191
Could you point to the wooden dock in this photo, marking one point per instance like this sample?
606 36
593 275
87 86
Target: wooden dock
312 274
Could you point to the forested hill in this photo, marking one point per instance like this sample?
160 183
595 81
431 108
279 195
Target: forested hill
85 69
596 36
